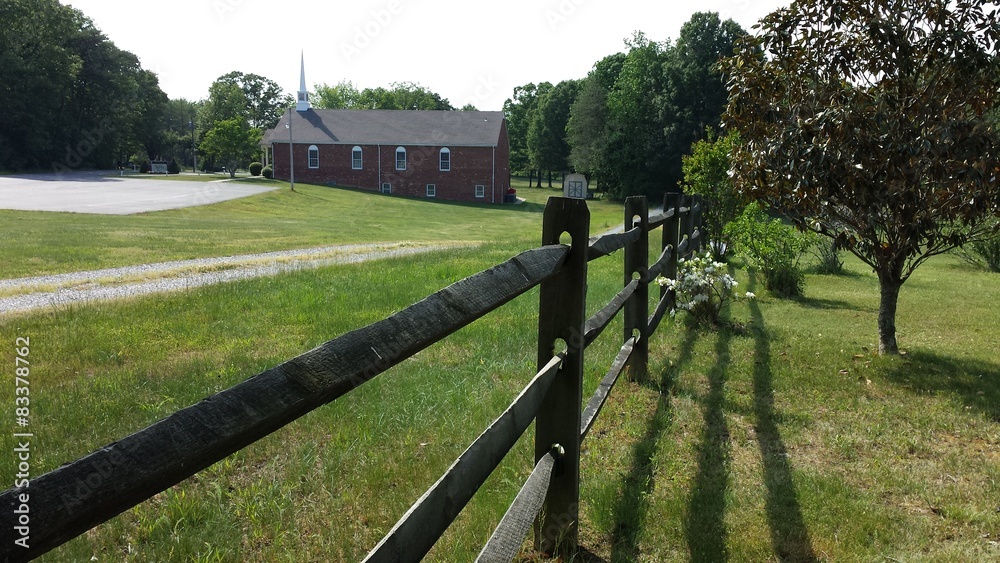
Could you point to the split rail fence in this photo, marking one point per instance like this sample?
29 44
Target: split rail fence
80 495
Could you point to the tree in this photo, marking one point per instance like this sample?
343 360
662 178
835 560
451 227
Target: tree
706 173
635 155
70 97
695 94
399 95
232 141
178 137
519 111
253 98
548 148
864 120
340 96
408 95
586 130
149 107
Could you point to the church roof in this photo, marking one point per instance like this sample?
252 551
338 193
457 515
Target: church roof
389 127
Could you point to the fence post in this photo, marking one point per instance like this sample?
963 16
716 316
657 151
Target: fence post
637 306
687 225
703 241
561 315
697 211
671 239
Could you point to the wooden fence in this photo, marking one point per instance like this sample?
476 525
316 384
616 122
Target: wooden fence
74 498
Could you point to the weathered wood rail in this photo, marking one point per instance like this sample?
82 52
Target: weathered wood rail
80 495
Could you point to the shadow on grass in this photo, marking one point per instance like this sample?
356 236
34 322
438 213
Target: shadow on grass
705 525
831 304
789 535
974 383
632 508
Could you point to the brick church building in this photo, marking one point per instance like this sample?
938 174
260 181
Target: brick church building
452 155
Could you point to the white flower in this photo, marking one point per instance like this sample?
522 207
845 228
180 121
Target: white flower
750 295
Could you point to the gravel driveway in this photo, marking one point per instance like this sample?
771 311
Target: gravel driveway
44 292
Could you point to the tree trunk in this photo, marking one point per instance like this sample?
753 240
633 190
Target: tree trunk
531 177
550 178
889 296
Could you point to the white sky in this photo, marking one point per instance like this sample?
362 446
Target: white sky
464 51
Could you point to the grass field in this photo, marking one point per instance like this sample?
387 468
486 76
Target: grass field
780 437
37 243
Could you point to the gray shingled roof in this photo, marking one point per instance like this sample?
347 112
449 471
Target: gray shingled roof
390 127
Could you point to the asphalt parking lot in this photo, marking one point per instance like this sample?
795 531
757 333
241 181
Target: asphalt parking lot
94 192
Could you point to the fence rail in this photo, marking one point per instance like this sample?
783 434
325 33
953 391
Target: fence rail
74 498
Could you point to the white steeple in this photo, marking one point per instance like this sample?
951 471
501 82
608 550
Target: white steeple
303 99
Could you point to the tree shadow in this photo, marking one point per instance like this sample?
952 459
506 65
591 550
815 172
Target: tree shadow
831 304
633 506
705 526
976 383
789 535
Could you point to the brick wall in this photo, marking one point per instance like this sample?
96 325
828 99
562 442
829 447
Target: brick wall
470 166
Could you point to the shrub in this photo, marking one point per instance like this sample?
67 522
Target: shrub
702 289
173 167
772 249
144 167
255 168
983 253
828 254
706 172
268 172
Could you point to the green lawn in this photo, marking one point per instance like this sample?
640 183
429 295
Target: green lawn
37 243
781 438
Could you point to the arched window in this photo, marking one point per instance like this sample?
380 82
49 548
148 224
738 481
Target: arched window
356 161
400 158
313 156
445 160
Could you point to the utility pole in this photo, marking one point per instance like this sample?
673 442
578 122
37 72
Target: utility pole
291 153
194 152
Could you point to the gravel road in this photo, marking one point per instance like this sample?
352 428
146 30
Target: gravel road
46 292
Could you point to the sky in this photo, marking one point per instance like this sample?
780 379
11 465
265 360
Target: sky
467 52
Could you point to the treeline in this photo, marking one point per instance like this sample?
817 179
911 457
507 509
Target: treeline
399 95
70 97
630 121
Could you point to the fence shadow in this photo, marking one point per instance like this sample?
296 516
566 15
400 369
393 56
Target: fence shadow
705 525
975 383
632 508
789 535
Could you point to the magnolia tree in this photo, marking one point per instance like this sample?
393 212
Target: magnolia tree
864 120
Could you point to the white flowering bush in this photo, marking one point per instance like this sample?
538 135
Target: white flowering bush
702 288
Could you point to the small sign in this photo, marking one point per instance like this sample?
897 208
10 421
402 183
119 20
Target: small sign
575 186
158 167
